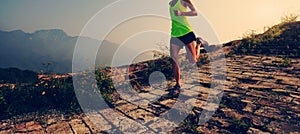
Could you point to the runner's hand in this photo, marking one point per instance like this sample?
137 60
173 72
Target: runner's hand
177 12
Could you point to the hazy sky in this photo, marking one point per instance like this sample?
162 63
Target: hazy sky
229 18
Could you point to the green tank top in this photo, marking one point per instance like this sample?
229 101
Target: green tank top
180 24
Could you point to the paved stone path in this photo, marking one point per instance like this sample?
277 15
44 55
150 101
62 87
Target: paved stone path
260 96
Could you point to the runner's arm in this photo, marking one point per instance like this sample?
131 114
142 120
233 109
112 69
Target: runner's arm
192 11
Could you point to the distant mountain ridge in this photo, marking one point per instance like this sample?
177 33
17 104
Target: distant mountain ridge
14 75
46 50
52 50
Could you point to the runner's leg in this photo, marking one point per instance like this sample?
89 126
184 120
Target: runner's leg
198 51
174 51
191 52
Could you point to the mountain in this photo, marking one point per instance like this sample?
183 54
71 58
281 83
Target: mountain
46 50
14 75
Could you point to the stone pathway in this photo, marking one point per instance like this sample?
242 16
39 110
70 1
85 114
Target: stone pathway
260 96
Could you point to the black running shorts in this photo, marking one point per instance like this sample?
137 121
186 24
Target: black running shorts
183 40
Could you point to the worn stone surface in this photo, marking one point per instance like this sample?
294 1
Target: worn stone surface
59 127
96 122
256 131
79 127
258 97
93 127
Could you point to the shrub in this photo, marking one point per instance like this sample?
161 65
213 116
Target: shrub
289 18
280 39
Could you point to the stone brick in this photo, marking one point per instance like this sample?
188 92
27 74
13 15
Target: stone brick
256 131
199 103
51 121
249 99
295 108
94 128
269 112
33 126
295 96
231 113
160 125
21 127
283 127
126 107
169 103
158 92
79 127
250 108
296 101
286 99
124 124
130 126
281 91
95 121
260 94
59 127
6 131
149 96
5 126
288 80
141 115
35 132
190 93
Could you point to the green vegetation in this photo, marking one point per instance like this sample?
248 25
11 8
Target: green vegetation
50 94
240 125
279 40
289 18
190 124
105 84
14 75
203 59
55 92
286 62
278 61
